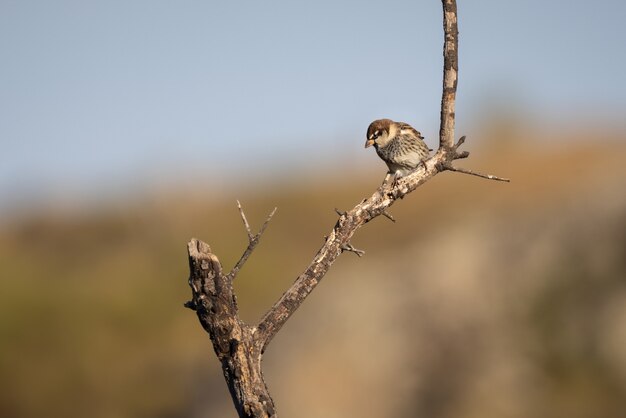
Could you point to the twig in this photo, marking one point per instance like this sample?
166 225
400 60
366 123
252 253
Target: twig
457 154
388 216
267 221
253 240
245 221
350 247
450 167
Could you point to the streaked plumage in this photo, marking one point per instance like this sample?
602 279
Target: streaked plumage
398 144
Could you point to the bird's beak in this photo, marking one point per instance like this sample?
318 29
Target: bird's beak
369 143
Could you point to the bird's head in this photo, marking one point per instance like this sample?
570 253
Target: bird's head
378 132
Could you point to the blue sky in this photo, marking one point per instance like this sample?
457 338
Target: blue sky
115 94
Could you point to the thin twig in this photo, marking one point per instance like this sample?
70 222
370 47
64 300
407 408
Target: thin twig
350 247
245 221
253 240
388 216
267 221
458 155
450 167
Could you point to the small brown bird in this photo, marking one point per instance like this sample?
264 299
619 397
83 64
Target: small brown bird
399 145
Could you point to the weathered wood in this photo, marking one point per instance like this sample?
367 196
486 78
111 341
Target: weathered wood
347 224
239 346
253 240
450 74
238 351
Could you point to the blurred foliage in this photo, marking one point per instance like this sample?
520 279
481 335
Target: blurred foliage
92 322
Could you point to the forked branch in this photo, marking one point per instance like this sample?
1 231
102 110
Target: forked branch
253 240
240 346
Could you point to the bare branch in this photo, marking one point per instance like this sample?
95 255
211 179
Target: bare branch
388 216
350 247
267 221
450 167
335 244
450 74
216 307
253 240
456 154
239 346
245 221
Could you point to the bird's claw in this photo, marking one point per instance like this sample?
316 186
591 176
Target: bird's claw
396 179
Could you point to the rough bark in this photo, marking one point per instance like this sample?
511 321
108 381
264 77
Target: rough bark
233 341
240 346
450 74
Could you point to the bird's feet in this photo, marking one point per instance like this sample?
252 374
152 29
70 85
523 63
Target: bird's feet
396 179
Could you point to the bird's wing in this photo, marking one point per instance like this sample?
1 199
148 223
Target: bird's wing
405 128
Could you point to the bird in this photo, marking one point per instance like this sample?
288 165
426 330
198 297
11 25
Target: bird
399 145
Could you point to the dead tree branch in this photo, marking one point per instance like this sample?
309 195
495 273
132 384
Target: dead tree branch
253 240
388 216
239 346
450 167
450 75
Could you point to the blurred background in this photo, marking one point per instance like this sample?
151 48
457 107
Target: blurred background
127 128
